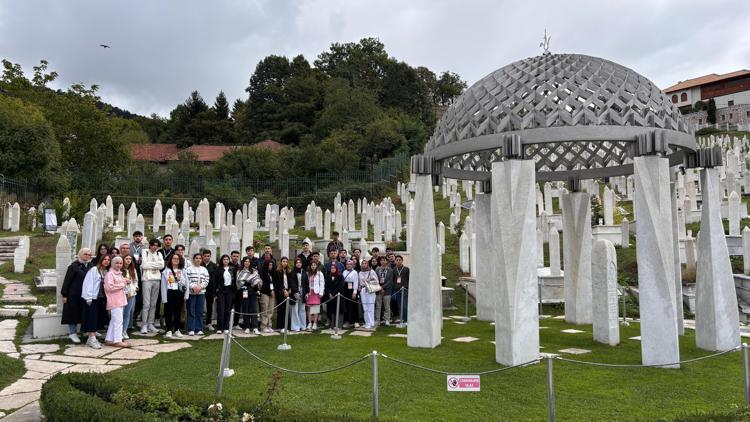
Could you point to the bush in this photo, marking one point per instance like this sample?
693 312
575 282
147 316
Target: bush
76 397
707 131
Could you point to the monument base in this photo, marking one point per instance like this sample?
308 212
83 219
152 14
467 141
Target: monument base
46 325
611 233
551 286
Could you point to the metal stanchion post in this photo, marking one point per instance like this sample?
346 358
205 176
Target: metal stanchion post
550 390
336 335
401 311
746 363
224 361
375 383
285 345
539 292
229 372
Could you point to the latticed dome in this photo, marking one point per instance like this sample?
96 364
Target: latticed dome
571 112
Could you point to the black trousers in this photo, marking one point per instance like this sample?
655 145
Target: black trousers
237 307
249 306
351 309
138 302
209 307
224 304
173 309
94 317
157 314
281 314
331 310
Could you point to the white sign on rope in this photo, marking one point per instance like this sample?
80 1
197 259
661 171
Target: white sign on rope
463 382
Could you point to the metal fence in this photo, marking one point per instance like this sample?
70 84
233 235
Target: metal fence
295 191
16 190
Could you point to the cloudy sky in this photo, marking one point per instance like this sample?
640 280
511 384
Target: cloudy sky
162 50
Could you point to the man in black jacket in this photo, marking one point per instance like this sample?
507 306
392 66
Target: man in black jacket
305 255
211 289
401 280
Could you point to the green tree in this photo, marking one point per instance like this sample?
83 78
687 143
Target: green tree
711 111
698 106
221 106
249 162
346 107
362 64
404 89
449 87
28 148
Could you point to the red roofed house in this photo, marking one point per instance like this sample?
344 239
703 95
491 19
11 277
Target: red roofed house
730 92
206 154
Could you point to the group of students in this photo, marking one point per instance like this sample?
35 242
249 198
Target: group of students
109 289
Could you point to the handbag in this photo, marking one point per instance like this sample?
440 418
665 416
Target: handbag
373 288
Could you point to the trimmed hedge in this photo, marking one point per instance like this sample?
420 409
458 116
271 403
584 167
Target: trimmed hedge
92 397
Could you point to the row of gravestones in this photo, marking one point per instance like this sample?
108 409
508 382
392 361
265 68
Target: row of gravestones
12 217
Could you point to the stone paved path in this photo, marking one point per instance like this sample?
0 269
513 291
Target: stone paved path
16 292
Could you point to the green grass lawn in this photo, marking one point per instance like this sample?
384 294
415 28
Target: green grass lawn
581 392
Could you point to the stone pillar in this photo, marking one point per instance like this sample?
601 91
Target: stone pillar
654 253
247 235
513 236
677 266
224 240
576 216
604 273
463 252
734 213
88 231
625 230
62 260
716 315
554 251
485 271
609 207
327 225
156 224
425 301
746 250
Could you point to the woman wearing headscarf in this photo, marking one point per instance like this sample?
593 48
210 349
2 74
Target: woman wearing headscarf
92 294
351 282
71 293
114 283
298 283
334 286
131 291
368 284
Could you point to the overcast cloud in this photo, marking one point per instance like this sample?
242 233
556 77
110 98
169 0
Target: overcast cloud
162 50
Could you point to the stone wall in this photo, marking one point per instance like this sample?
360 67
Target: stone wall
734 115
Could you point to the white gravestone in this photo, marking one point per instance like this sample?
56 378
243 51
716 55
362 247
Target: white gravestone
604 274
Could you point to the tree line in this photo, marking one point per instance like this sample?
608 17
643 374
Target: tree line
354 105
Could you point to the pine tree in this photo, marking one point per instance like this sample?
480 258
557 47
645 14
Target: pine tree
221 106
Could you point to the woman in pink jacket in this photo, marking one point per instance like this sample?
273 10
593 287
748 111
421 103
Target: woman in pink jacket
114 284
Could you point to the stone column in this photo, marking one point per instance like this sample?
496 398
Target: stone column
327 225
625 230
156 223
485 268
62 260
463 252
716 316
734 213
513 236
746 250
604 272
576 216
425 301
654 253
554 252
677 266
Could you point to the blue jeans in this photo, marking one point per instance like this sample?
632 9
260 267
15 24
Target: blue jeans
127 314
405 305
72 328
195 306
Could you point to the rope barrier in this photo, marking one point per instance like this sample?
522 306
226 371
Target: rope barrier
658 365
292 371
438 371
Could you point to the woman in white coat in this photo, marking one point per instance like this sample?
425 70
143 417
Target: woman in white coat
367 277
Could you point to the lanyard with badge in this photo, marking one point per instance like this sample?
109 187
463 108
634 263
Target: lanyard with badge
349 284
398 277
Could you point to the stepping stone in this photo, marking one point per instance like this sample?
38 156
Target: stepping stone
398 335
492 323
465 339
30 412
121 362
574 351
271 334
141 342
459 322
572 331
9 323
163 348
542 327
635 338
359 333
184 337
13 312
7 346
91 368
140 334
330 332
291 333
744 334
18 299
214 337
131 354
18 400
22 385
74 359
45 366
85 351
545 316
7 334
27 349
446 319
36 375
559 317
456 317
549 355
14 355
32 356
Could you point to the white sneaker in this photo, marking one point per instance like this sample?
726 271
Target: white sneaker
218 332
144 330
209 327
125 335
191 333
99 335
308 326
178 334
387 324
256 332
92 343
315 326
74 338
237 327
247 331
168 335
356 325
200 333
152 328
